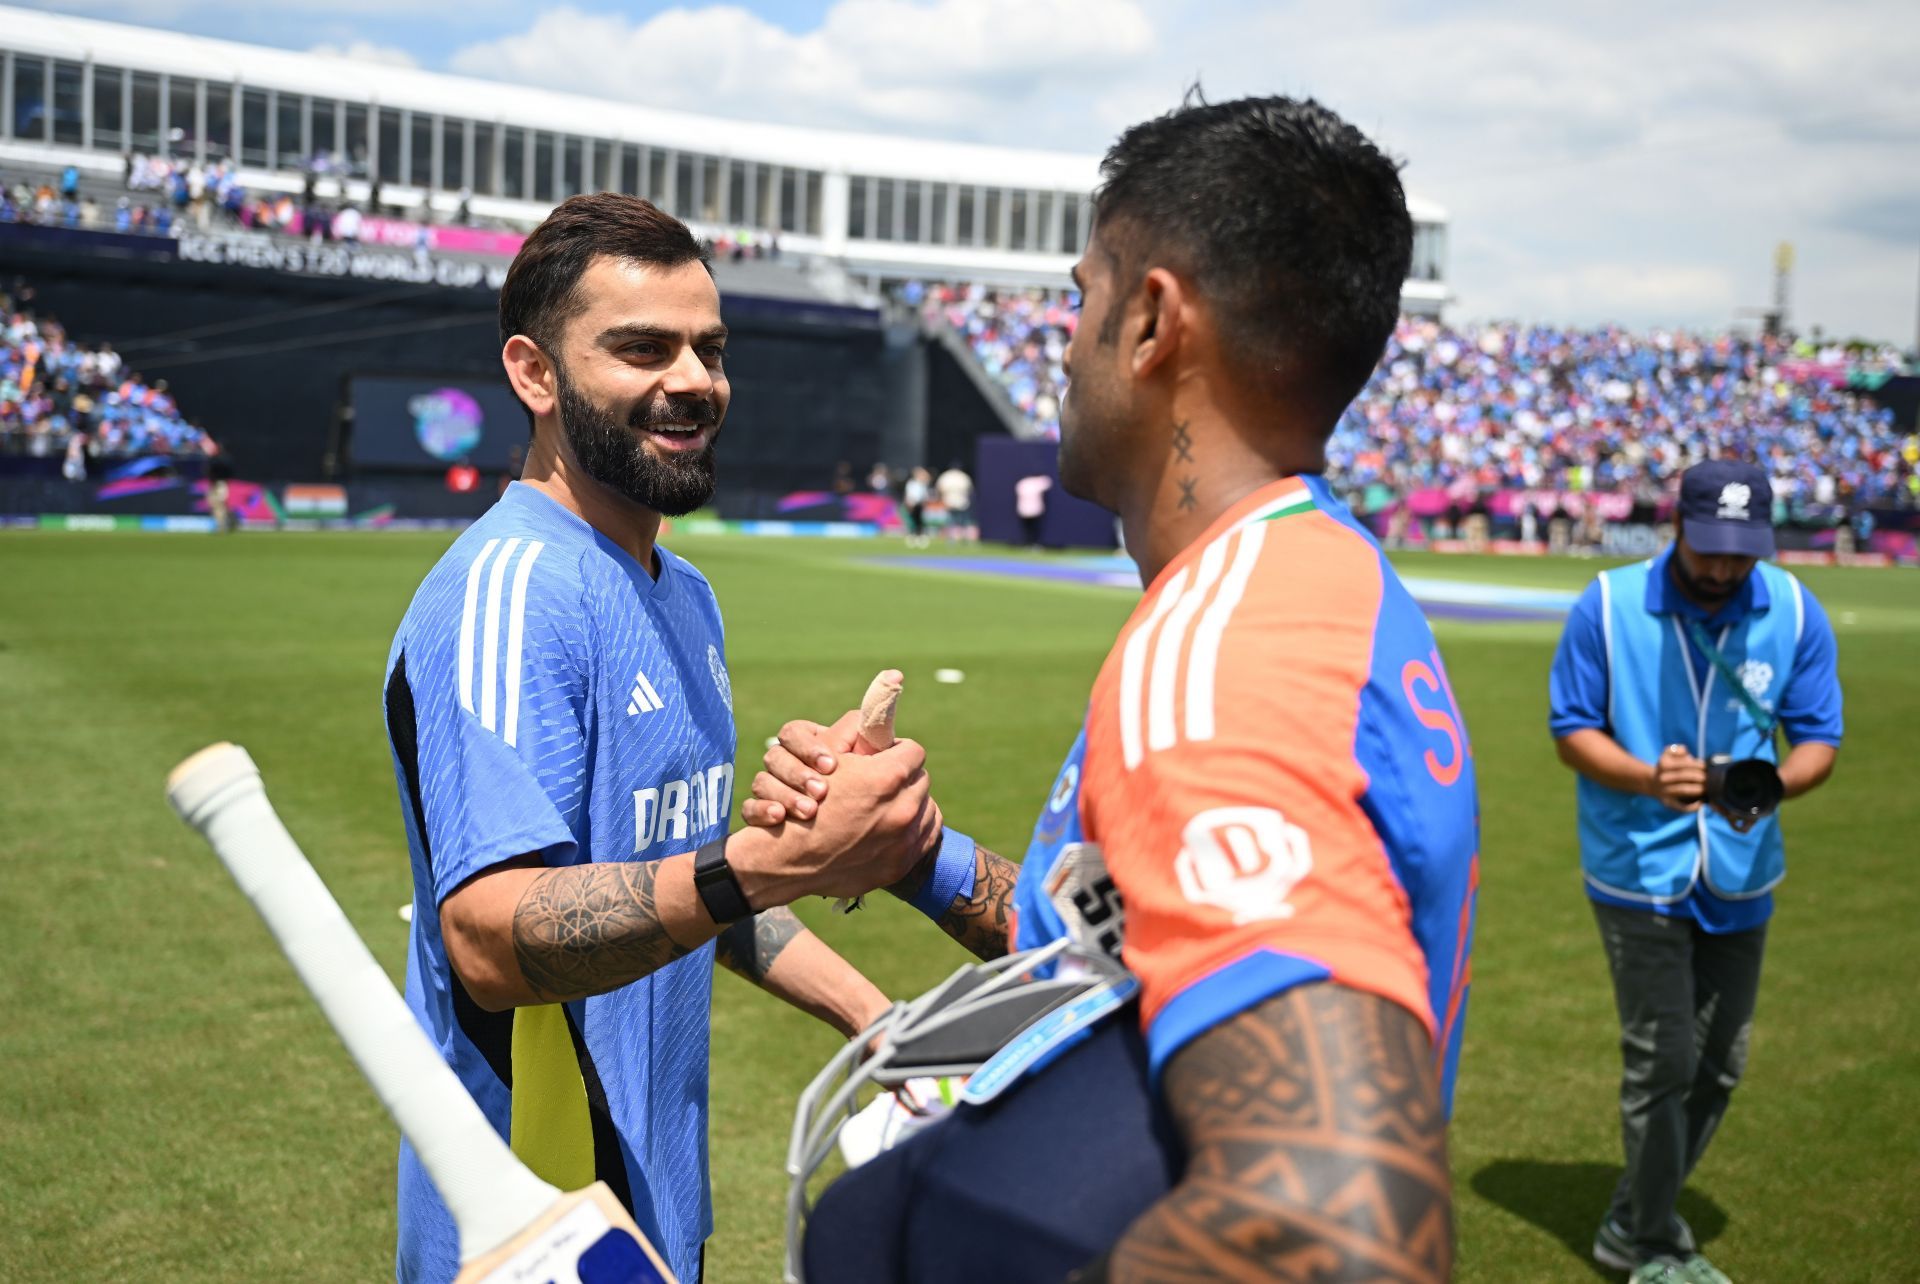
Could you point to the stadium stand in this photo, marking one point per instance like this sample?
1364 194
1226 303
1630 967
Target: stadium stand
1518 407
58 397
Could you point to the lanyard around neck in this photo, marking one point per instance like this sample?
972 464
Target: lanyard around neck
1757 711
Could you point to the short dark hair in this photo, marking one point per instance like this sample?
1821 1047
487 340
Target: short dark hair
1292 224
541 293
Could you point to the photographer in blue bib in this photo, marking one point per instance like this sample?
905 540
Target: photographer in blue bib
1672 685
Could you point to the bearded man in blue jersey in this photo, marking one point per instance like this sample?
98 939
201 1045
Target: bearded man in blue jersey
1675 677
561 723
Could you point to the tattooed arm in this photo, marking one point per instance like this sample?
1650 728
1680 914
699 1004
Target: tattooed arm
519 933
1317 1152
776 952
978 921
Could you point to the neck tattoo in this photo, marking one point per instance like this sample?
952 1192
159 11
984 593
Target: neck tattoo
1188 501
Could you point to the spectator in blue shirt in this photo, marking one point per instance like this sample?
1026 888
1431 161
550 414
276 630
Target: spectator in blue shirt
1664 667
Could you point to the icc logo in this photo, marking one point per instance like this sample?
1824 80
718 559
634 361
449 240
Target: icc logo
1734 498
1244 860
1756 676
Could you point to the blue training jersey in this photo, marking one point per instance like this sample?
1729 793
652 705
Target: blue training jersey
546 695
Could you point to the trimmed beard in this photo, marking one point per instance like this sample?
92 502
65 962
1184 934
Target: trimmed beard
617 456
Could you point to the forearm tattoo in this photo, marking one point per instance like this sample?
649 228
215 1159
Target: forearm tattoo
750 946
1318 1151
587 929
979 921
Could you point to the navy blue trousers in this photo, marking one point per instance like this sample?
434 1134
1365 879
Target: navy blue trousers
1026 1188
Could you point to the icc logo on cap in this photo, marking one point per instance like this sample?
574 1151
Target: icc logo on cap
1734 498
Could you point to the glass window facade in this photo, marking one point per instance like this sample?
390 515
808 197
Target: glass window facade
513 163
69 107
253 127
543 154
485 176
736 192
28 110
388 145
712 189
325 119
453 154
857 206
109 122
910 210
289 138
183 125
356 145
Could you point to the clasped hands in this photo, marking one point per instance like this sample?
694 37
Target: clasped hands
878 822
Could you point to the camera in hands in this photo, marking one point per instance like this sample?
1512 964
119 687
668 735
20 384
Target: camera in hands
1746 788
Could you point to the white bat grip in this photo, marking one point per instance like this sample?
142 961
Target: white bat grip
490 1192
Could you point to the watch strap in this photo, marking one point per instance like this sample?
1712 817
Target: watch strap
717 884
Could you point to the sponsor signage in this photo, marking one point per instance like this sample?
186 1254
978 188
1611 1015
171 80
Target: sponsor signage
337 259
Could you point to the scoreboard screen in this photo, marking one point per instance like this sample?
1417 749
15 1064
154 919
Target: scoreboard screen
422 422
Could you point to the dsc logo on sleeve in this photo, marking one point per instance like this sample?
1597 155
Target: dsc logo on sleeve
1244 860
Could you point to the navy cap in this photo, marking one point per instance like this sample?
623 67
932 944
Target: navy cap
1727 507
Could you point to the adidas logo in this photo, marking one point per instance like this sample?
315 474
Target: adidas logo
643 698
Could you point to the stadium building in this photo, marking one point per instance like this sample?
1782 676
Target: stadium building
86 93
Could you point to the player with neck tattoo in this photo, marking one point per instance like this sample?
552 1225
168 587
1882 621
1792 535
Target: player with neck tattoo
1272 769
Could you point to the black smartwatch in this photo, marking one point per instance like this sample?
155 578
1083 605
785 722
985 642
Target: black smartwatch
719 890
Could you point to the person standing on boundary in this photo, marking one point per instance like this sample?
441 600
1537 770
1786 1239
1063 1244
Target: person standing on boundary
561 725
1668 688
1273 776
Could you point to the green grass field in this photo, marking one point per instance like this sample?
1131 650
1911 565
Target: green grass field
172 1106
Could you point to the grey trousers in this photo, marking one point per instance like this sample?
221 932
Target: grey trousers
1685 999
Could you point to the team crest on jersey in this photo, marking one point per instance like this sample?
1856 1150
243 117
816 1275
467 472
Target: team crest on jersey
1063 793
1244 860
721 682
1756 676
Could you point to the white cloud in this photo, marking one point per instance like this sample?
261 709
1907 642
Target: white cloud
367 51
958 68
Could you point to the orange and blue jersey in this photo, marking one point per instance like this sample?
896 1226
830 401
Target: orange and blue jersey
1277 776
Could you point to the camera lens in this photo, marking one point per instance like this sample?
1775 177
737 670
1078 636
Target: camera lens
1750 787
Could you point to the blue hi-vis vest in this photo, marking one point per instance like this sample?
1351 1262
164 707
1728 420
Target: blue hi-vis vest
1660 693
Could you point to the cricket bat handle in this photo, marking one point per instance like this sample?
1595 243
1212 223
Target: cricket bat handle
490 1193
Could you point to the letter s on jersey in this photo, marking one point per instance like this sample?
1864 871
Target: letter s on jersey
1445 720
1244 860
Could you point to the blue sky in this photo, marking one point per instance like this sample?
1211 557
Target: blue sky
1634 162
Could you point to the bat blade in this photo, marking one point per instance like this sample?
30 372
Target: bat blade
585 1238
506 1215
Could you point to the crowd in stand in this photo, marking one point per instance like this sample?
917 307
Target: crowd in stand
1504 406
58 397
1020 338
1545 408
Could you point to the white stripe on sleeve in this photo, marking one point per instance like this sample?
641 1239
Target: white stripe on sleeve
1162 730
466 624
490 637
1207 637
516 619
1133 670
